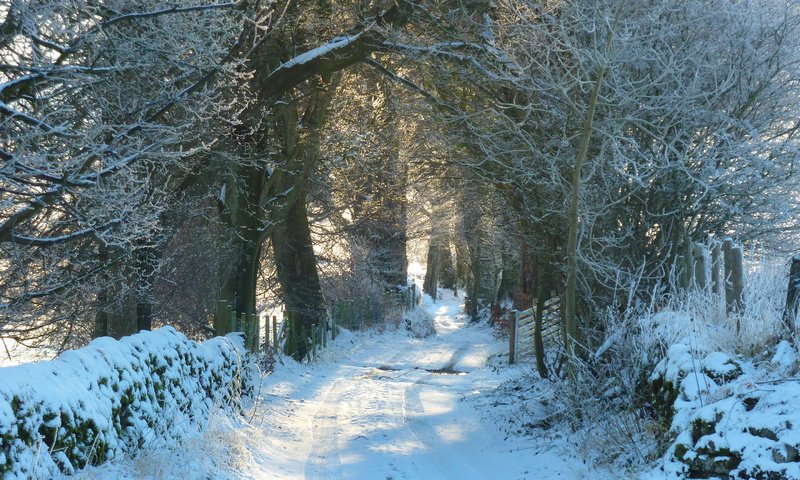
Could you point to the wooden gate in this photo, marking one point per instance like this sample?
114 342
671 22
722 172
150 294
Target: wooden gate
521 330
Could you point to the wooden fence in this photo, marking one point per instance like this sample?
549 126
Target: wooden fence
358 313
351 314
248 324
285 335
719 266
521 337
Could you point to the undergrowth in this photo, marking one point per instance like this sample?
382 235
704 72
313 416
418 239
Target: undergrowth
608 404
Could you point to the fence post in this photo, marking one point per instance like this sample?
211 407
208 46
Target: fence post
251 331
254 325
700 276
275 333
716 268
336 311
737 278
792 298
688 270
313 353
245 329
289 329
267 334
727 260
683 275
231 320
309 343
512 338
221 318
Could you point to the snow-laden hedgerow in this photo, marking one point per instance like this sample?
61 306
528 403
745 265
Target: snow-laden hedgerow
627 406
113 397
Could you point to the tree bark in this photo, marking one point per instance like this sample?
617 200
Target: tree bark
292 244
121 313
146 258
431 283
238 287
447 269
243 240
297 273
100 316
792 300
476 275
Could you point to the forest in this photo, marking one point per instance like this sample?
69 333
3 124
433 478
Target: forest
602 191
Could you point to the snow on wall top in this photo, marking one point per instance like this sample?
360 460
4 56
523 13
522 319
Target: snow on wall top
112 397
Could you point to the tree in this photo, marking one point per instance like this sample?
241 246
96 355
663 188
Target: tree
96 103
693 131
361 189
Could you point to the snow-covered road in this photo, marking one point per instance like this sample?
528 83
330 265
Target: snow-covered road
389 406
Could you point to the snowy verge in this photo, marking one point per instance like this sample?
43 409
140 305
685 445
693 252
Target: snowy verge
114 397
418 322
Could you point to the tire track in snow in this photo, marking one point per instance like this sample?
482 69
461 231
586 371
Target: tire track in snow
386 394
324 460
414 412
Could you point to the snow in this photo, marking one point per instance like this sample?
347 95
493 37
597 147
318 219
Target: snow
14 353
392 404
380 405
375 407
784 360
747 412
325 48
110 398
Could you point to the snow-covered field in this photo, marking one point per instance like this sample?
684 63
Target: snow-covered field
378 406
13 353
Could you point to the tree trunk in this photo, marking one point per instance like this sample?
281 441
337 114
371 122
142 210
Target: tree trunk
431 283
476 274
124 306
101 316
297 273
242 242
121 313
447 269
571 322
146 258
462 263
393 179
122 319
395 261
292 244
238 286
